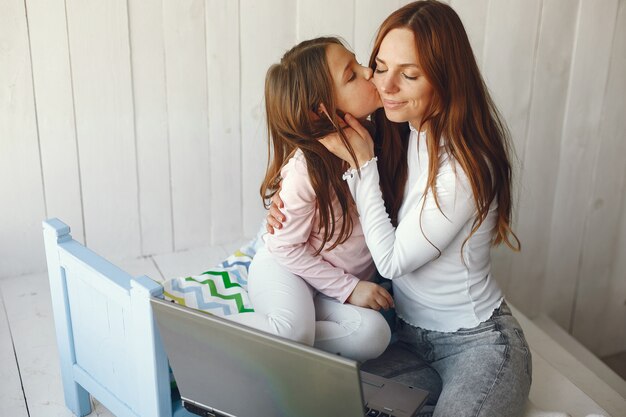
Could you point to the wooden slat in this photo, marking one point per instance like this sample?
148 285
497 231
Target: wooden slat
368 16
151 125
223 69
55 111
579 150
22 208
100 60
29 311
185 59
192 262
509 59
325 18
12 401
614 335
141 266
540 164
597 278
270 29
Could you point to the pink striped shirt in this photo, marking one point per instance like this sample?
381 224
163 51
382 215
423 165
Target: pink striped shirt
334 273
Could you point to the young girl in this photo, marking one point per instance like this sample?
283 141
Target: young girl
433 202
311 281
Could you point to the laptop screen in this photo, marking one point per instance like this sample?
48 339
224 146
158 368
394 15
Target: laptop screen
243 372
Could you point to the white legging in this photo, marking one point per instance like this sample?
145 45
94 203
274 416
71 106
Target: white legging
287 306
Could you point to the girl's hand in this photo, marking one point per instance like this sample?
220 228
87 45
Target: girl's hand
359 138
275 218
370 295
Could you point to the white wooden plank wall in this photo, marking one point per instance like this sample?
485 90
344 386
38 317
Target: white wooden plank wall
541 154
103 101
597 277
268 30
141 124
223 63
55 111
187 98
21 182
508 62
578 154
151 125
368 15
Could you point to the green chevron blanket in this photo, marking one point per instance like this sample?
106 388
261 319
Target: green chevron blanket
222 290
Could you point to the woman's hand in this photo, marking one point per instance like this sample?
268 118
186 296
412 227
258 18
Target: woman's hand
275 217
359 138
370 295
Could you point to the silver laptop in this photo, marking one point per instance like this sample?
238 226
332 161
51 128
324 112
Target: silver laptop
224 369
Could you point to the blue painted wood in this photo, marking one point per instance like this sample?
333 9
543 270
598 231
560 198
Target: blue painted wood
147 350
76 397
109 344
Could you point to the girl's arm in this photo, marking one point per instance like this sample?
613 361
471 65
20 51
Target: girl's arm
290 245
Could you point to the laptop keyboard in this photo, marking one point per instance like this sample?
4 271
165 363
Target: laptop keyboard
370 412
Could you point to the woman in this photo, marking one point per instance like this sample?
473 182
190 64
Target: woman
431 204
311 280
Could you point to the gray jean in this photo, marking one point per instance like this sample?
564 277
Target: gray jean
483 371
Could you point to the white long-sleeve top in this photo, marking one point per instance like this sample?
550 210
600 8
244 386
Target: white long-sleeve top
334 273
436 293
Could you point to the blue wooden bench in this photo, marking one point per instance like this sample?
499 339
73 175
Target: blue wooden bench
109 346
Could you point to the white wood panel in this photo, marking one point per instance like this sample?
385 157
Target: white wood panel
325 18
185 56
473 13
368 16
188 263
508 63
614 334
21 188
541 158
12 402
141 266
151 125
604 212
52 80
100 60
579 149
222 26
29 311
270 30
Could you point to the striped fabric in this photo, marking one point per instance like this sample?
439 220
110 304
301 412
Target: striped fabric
221 290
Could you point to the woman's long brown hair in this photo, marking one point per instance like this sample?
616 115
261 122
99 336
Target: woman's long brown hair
295 90
462 113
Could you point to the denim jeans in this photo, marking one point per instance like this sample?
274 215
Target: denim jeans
482 371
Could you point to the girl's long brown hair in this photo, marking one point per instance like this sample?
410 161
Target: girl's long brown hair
295 90
462 113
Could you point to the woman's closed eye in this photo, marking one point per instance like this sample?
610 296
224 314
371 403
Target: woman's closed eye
379 70
352 77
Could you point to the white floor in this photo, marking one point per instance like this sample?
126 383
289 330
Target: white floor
30 381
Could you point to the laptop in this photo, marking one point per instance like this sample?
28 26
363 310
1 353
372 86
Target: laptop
224 369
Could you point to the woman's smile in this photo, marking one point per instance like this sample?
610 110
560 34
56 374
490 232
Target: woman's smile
393 104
